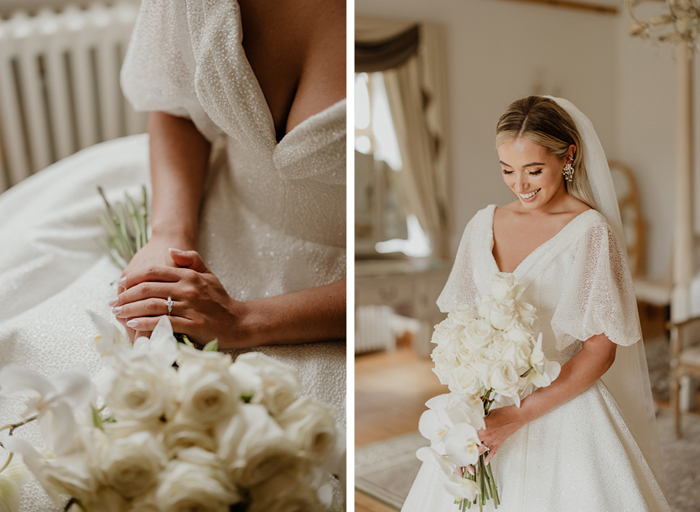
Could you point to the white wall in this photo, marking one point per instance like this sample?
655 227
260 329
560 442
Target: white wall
646 135
499 52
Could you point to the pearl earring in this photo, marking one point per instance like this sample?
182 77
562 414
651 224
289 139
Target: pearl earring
569 171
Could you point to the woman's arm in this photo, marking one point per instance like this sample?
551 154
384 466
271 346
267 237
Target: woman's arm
582 370
203 309
178 159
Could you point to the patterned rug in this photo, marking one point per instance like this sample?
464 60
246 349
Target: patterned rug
386 470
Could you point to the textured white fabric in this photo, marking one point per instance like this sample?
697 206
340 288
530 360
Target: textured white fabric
272 219
581 456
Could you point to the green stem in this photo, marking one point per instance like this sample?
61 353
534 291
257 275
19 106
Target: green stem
13 426
494 488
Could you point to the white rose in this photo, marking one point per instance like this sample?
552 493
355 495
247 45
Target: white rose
131 464
280 382
181 433
518 354
505 286
310 425
462 315
484 359
464 354
108 500
477 334
527 313
186 486
147 503
285 492
444 359
208 392
141 390
253 446
447 334
464 381
500 342
519 334
503 379
500 313
249 381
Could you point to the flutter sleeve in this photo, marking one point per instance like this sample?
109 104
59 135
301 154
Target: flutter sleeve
461 288
597 292
159 67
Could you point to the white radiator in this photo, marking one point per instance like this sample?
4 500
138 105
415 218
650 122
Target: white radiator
59 85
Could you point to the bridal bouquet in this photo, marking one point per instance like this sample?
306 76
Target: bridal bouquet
165 427
483 356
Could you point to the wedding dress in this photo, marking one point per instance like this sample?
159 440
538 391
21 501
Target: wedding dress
272 219
581 456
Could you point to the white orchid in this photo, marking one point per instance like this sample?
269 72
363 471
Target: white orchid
68 475
462 445
53 400
461 487
430 456
543 371
11 479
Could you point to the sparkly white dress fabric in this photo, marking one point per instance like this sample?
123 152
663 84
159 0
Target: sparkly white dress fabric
272 219
581 456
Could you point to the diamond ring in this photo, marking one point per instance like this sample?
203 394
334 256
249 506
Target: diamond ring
169 303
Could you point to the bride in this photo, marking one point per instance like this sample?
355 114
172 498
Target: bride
588 441
246 155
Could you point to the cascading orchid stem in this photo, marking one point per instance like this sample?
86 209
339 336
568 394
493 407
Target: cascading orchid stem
13 426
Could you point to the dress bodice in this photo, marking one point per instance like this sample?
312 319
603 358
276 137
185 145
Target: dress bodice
275 208
578 280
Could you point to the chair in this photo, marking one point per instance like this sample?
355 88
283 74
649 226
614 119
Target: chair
685 360
656 292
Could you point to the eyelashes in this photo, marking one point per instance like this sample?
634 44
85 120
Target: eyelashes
532 173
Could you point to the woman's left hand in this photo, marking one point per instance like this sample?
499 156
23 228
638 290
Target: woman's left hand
202 309
500 425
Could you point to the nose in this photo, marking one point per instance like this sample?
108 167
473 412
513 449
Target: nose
521 183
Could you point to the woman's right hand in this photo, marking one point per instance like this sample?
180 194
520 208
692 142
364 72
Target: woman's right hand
154 253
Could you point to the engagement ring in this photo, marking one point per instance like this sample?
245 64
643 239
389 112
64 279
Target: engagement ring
169 303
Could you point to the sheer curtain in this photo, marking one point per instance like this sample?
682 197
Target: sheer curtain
412 57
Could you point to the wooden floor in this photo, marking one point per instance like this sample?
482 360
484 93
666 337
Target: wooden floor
390 395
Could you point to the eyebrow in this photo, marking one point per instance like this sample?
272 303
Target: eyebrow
532 164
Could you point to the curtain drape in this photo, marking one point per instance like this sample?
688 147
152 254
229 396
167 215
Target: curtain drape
417 93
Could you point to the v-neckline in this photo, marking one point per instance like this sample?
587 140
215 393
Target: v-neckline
261 95
536 249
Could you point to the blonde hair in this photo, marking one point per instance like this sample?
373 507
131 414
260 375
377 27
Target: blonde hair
546 123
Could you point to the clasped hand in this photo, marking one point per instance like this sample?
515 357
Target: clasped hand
500 425
201 307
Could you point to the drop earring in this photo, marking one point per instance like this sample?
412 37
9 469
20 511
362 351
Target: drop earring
569 171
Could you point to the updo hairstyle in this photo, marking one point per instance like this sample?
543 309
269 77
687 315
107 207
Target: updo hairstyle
546 123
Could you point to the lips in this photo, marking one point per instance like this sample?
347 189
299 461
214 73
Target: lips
530 195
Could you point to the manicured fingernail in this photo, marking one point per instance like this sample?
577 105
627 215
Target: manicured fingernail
176 251
133 324
122 281
113 302
117 310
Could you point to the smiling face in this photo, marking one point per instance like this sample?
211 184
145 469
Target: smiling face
532 173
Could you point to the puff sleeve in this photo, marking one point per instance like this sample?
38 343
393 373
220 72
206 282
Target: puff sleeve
159 67
597 292
460 287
